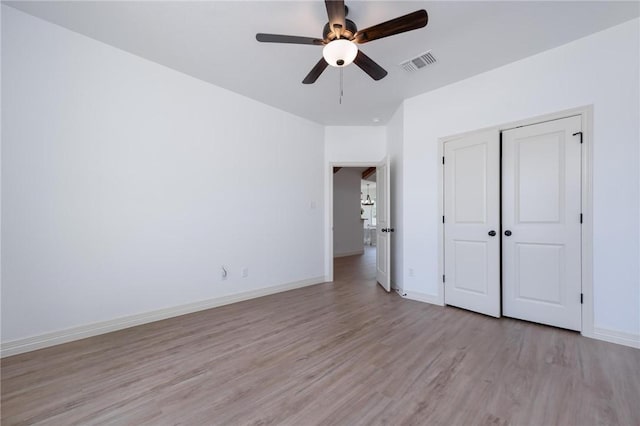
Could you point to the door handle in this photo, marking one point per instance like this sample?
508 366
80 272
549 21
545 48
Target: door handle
507 233
492 233
384 229
387 230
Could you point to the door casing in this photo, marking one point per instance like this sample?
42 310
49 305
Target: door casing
586 113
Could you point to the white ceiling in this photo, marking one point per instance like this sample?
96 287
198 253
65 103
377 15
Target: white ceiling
215 42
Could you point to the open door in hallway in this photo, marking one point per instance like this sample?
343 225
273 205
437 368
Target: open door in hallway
383 226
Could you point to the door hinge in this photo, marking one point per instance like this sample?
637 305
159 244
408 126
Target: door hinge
581 298
442 219
580 217
443 278
578 133
442 160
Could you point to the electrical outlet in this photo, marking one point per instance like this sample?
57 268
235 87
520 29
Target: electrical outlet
223 273
411 272
245 272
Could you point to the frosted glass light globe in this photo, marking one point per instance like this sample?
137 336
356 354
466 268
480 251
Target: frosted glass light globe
340 53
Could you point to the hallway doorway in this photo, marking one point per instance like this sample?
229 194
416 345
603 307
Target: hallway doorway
354 223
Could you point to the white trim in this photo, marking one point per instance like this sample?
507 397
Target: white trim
422 297
586 113
613 336
19 346
588 322
440 295
349 253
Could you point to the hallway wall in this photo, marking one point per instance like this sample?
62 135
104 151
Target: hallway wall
347 226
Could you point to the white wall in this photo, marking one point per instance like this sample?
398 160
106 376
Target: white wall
355 144
348 238
1 60
600 70
395 142
125 185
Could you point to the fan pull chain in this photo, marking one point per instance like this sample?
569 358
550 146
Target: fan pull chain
341 86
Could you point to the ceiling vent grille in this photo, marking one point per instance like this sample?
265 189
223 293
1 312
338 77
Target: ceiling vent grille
419 62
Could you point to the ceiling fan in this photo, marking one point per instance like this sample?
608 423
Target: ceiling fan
341 38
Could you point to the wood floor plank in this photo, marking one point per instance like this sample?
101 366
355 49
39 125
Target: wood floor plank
335 353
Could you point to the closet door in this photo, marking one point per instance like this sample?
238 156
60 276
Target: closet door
471 222
541 230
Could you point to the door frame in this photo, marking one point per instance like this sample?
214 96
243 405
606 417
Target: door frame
329 215
586 114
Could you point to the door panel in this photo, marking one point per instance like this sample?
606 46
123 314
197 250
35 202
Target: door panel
470 191
470 259
539 164
383 222
472 209
541 167
539 272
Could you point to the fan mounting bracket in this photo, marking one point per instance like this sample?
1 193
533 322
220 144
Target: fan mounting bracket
348 32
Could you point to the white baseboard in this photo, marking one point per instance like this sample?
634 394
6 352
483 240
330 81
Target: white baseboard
349 253
19 346
422 297
613 336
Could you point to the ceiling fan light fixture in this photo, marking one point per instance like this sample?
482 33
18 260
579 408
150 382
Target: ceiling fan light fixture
340 53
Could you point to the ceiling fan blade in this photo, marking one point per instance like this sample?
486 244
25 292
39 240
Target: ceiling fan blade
369 66
335 11
412 21
315 72
278 38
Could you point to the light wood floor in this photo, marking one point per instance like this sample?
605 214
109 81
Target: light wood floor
335 353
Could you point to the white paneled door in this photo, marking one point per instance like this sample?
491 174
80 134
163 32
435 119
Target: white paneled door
541 216
472 222
383 226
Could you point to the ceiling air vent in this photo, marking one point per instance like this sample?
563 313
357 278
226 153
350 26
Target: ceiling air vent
419 62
